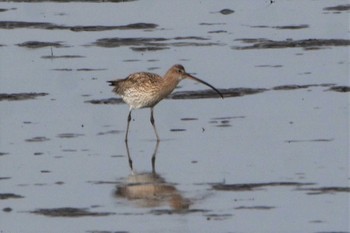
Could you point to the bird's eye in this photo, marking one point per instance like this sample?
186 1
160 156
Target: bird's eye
180 71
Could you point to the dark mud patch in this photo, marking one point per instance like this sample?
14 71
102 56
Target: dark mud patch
338 9
269 66
211 24
7 209
134 26
99 182
227 118
152 44
230 92
69 212
255 186
339 89
311 140
3 153
80 69
62 56
131 60
37 139
70 135
4 196
148 48
94 28
255 208
287 27
177 211
296 87
224 121
20 96
106 101
226 11
7 9
326 190
41 44
217 31
218 216
5 178
291 87
109 132
177 130
306 44
189 119
21 24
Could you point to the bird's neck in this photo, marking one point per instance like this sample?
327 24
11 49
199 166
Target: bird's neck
169 84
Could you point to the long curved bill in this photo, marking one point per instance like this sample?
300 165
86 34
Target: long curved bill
205 83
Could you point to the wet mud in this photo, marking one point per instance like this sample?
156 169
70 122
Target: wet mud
230 92
177 130
4 196
51 26
226 11
311 140
340 88
109 132
255 186
305 187
224 121
189 119
41 44
177 211
326 190
62 57
69 212
20 96
286 27
338 9
79 69
306 44
69 135
255 208
37 139
218 216
153 43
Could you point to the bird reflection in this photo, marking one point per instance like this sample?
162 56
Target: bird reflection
149 189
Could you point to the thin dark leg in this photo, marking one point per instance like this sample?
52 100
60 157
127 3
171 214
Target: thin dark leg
154 125
129 156
154 157
127 127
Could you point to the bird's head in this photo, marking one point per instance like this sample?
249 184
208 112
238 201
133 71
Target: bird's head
179 72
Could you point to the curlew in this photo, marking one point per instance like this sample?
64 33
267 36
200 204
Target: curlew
145 90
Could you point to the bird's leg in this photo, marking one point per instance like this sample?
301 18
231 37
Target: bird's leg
154 125
129 156
154 158
127 127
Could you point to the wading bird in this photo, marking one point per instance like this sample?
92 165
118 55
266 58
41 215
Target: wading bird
145 90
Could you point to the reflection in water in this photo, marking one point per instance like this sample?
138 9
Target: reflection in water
149 189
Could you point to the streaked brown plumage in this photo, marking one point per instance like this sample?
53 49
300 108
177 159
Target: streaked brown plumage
145 90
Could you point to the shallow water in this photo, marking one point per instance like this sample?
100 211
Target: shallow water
272 156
